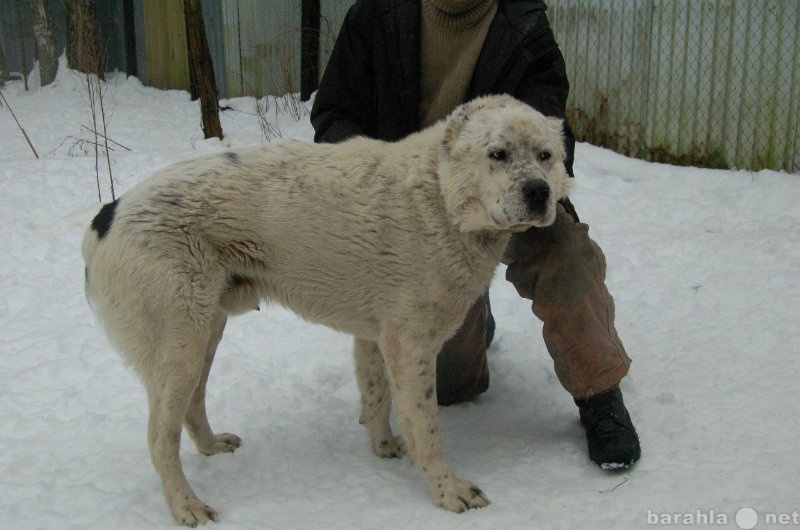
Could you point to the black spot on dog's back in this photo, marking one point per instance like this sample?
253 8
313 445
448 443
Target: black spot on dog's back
102 221
233 157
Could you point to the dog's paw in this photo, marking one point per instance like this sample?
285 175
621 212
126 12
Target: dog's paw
221 443
392 448
194 512
459 495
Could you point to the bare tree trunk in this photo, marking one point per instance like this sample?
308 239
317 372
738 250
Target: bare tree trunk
131 67
85 55
201 68
3 66
83 43
22 44
309 48
45 44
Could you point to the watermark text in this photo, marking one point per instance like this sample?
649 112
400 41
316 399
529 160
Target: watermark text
745 518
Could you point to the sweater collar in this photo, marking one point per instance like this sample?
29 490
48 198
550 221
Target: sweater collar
456 14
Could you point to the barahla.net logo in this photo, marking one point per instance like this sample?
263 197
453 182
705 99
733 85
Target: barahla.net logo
745 518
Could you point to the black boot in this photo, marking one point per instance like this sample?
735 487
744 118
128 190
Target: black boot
613 442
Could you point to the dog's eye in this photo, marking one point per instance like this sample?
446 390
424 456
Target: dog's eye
544 156
499 155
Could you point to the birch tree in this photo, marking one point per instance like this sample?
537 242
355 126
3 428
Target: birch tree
45 43
3 66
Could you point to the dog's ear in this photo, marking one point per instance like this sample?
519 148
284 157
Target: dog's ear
455 123
461 115
557 126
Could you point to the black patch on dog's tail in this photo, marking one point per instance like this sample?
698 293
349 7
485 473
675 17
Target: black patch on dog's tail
102 221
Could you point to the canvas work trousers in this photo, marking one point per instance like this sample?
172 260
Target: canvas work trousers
562 270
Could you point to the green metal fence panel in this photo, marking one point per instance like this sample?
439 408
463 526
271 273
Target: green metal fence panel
262 43
262 46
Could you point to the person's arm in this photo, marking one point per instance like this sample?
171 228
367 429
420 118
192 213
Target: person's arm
344 104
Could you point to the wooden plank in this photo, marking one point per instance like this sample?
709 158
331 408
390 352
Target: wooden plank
165 44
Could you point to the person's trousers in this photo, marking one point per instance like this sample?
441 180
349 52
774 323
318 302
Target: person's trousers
562 270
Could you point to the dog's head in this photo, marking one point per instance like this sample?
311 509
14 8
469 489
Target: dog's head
502 165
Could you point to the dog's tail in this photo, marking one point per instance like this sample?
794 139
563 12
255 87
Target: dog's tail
99 229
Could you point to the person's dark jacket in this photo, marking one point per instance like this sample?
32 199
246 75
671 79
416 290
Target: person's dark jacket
371 85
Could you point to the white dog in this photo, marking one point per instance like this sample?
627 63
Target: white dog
391 242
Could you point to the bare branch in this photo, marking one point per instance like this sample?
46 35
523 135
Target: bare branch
5 101
109 139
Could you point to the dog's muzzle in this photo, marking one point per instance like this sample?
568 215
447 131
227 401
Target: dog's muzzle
528 204
537 195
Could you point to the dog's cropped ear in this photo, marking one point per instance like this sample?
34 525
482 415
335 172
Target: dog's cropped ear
455 123
557 126
461 115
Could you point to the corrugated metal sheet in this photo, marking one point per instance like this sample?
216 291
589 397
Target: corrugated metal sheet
262 46
212 18
332 13
262 43
703 82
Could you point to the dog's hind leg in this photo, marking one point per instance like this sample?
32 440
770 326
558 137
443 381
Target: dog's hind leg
411 368
169 390
376 400
196 422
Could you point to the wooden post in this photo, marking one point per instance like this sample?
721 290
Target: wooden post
131 66
3 65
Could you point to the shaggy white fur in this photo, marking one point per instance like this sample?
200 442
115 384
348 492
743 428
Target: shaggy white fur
390 242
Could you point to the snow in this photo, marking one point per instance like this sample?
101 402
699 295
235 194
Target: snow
704 266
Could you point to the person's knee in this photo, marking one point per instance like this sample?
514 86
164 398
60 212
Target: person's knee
556 264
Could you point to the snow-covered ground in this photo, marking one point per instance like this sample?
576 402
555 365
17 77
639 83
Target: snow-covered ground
704 266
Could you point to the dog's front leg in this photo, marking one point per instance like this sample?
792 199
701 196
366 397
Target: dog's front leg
376 399
411 368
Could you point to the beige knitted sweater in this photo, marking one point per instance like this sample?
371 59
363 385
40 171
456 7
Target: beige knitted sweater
452 34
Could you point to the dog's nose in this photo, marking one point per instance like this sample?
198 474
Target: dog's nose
536 193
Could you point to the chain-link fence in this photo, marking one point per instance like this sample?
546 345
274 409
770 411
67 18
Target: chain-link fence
712 83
